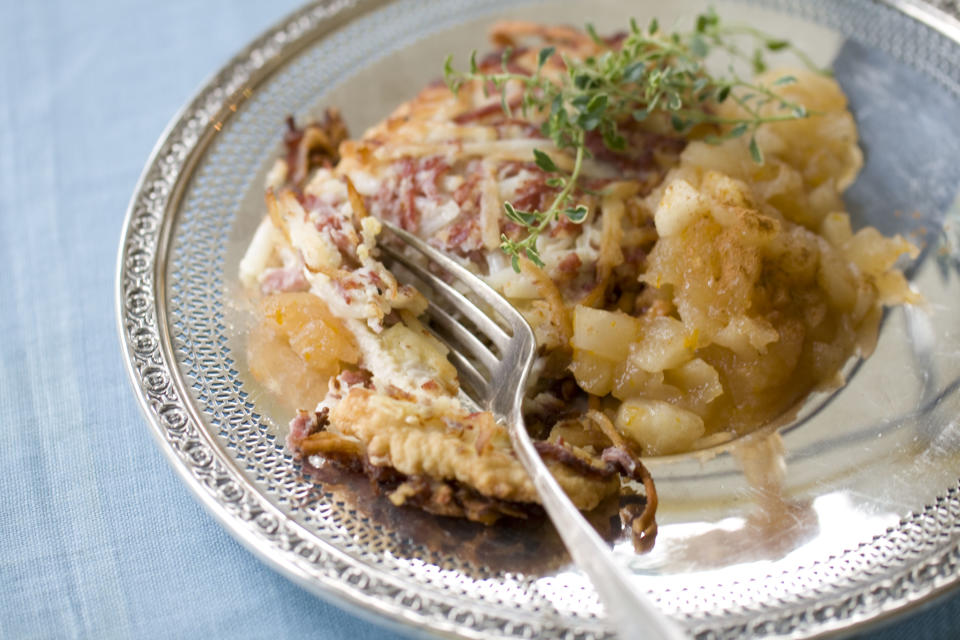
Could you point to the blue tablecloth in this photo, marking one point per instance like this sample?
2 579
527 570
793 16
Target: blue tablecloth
98 537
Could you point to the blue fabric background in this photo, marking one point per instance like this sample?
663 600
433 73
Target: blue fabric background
98 537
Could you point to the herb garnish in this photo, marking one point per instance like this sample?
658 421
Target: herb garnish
651 72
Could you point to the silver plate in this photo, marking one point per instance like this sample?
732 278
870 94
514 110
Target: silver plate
867 522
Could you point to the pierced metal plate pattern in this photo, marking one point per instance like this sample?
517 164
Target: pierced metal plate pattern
173 311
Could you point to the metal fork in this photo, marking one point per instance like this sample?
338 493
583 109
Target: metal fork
497 384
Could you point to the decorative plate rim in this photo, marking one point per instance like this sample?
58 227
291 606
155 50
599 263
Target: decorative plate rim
288 547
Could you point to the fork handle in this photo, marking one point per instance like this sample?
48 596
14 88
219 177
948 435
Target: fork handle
633 615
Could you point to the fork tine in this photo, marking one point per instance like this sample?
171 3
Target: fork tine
470 379
482 321
481 288
460 338
484 291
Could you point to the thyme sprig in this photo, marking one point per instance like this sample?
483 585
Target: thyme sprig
652 72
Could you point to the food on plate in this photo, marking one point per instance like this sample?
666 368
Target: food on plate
677 241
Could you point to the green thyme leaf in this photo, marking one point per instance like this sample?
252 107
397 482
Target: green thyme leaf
534 257
612 138
525 218
544 161
592 32
759 64
505 59
544 55
698 46
635 72
576 214
449 75
755 152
